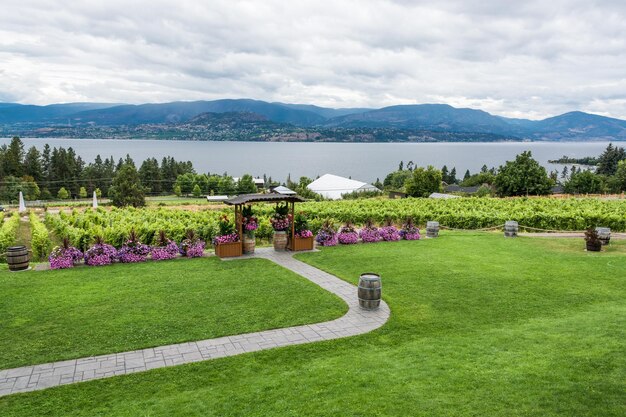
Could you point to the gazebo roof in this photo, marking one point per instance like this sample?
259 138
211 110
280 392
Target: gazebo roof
263 198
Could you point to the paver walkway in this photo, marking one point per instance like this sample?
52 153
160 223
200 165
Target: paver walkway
355 321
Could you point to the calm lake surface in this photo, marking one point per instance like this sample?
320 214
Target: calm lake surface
362 161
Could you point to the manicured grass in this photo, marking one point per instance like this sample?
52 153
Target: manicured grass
55 315
480 326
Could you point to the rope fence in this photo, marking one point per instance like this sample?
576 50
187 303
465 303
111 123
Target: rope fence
501 226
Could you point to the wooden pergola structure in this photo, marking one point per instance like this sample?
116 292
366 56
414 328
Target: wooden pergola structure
241 200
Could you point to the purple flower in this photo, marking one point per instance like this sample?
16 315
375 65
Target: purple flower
389 233
304 234
409 231
64 256
326 236
100 254
169 251
230 238
369 234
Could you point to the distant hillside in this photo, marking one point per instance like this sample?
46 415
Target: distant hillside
182 111
18 113
437 117
420 122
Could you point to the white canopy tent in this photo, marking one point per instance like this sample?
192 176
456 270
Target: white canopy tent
333 186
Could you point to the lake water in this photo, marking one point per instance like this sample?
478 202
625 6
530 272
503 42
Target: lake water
362 161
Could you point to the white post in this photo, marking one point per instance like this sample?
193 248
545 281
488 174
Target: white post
95 200
22 207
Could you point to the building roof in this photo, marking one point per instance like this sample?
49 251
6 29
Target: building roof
444 196
454 188
217 197
333 186
281 189
263 198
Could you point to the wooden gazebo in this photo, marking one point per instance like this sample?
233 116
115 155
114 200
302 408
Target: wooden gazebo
241 200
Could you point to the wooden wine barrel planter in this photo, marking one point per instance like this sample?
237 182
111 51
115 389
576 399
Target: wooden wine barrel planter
17 258
604 234
432 229
248 244
370 291
280 240
510 228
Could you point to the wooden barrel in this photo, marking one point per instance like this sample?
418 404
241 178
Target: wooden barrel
280 240
370 291
17 258
248 244
510 228
604 234
432 229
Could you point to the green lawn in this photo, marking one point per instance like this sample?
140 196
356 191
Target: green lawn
480 326
55 315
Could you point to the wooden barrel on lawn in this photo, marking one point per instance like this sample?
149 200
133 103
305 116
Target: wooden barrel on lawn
17 258
370 291
248 244
280 241
510 228
604 234
432 229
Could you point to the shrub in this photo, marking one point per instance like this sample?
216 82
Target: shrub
327 236
100 253
133 250
369 233
409 231
64 256
389 232
348 235
164 249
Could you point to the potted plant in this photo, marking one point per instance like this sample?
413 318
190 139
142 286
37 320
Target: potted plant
250 223
192 246
164 249
347 234
409 231
592 240
133 250
281 220
389 232
327 236
65 256
303 238
369 233
227 243
100 253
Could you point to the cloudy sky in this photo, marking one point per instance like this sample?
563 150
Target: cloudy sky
513 58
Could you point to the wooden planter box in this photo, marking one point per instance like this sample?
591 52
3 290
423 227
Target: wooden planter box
228 250
303 243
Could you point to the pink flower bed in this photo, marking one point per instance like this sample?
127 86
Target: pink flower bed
304 234
369 234
389 233
100 254
347 235
160 253
64 257
195 250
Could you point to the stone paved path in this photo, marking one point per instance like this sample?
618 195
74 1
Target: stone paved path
355 321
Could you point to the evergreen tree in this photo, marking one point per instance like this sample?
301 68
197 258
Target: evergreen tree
452 176
126 189
584 182
13 158
150 176
467 175
63 194
607 163
197 192
246 185
33 165
445 174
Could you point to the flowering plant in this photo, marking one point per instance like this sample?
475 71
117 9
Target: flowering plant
369 233
301 226
281 219
64 256
227 233
192 246
409 231
100 253
164 249
249 221
327 235
389 232
348 235
133 250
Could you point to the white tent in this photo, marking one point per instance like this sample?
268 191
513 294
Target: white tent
333 186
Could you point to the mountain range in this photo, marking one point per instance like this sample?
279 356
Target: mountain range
279 121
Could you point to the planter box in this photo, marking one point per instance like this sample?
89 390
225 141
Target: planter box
228 250
303 243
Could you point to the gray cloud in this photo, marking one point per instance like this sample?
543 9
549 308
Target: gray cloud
522 59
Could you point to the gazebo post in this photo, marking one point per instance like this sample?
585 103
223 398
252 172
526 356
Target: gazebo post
293 225
238 219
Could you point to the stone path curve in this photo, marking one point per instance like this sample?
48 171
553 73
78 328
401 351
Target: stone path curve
355 321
